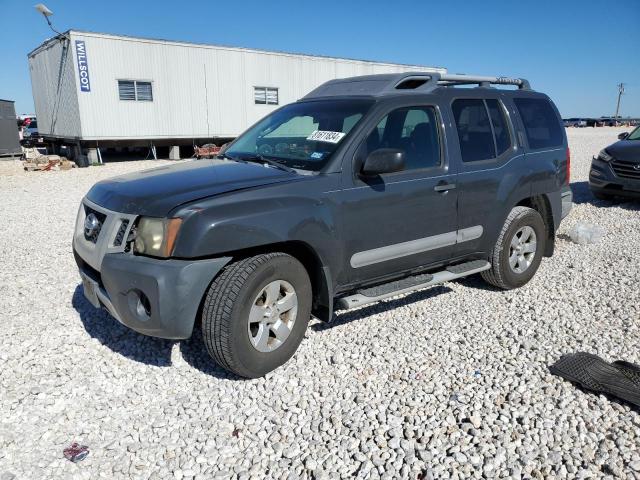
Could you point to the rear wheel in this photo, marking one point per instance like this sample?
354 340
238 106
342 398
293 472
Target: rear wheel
518 251
256 312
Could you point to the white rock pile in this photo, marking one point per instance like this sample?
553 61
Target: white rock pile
451 382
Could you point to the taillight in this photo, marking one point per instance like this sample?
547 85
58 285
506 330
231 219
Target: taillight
568 176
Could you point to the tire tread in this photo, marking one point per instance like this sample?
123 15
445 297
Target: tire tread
217 311
494 275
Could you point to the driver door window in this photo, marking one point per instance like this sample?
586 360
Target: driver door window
413 130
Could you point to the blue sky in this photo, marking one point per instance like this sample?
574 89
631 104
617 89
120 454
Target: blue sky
575 51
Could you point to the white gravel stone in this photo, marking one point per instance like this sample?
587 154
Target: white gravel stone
449 382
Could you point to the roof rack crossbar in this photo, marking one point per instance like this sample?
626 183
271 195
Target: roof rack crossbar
458 79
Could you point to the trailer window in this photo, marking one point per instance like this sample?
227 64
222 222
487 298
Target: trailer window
143 92
135 90
265 95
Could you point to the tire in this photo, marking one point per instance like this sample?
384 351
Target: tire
241 290
602 196
520 221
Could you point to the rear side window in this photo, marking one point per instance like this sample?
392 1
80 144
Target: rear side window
482 127
540 122
474 130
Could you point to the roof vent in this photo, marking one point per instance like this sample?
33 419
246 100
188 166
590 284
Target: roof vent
412 83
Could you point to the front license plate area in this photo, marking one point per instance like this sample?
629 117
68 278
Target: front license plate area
90 288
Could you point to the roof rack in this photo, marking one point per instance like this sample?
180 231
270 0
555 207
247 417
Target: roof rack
425 81
429 80
459 79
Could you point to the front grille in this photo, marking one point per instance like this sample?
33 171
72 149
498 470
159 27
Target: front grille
91 234
626 169
121 231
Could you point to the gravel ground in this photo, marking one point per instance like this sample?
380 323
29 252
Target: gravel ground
451 382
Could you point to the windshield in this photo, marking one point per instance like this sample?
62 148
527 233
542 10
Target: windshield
301 135
635 135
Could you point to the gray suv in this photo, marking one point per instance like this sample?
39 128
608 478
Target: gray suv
615 171
367 188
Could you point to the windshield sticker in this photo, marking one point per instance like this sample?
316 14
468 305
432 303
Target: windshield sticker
317 155
326 136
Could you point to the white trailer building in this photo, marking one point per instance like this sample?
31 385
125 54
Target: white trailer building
110 90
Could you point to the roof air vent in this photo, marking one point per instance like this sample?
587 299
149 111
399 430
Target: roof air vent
412 83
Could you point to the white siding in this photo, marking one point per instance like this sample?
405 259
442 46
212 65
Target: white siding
53 82
199 91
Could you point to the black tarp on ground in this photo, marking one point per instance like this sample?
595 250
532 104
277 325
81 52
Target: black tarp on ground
620 379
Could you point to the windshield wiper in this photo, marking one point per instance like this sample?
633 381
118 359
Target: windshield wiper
257 158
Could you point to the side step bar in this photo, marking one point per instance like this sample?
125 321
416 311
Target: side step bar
410 284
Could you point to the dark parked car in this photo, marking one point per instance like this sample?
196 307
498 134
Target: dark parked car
367 188
575 122
616 169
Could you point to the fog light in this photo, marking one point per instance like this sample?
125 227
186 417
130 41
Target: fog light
139 304
144 305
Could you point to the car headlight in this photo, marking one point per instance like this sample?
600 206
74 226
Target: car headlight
604 155
156 236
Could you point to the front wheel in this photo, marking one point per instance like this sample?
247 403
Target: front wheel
256 312
518 251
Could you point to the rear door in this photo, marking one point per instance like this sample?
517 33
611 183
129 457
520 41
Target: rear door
492 168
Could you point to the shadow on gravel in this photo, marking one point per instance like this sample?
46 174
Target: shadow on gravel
347 316
195 354
142 348
610 398
103 327
582 194
477 282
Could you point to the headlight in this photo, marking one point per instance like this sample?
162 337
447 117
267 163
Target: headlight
604 155
156 236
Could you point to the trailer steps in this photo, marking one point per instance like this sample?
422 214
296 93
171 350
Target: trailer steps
410 284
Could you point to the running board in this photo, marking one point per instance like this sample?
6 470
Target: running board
410 284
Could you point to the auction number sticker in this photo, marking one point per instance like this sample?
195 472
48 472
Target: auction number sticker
326 136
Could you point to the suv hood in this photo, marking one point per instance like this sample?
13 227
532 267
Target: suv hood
626 150
157 191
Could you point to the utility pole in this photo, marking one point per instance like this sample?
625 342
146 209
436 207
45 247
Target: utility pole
620 93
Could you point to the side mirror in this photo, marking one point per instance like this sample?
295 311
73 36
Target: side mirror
623 135
383 160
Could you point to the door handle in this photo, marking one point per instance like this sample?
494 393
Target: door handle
444 187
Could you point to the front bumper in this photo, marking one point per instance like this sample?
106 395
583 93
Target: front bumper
603 179
155 297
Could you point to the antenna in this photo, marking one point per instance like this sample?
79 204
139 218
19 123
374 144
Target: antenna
620 93
46 13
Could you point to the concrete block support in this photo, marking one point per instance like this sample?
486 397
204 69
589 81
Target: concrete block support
174 152
93 156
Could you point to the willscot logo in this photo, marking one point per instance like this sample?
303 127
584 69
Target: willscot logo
83 66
